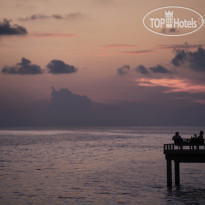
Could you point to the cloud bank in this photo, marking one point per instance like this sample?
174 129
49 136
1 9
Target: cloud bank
158 69
184 75
195 60
66 101
23 68
70 16
7 29
66 108
142 69
123 70
26 68
59 67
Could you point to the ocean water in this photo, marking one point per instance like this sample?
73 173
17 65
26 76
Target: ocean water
94 166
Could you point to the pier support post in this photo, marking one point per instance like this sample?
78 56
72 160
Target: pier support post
177 173
169 173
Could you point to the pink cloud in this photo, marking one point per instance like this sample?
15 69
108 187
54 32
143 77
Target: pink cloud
116 53
173 85
119 46
99 53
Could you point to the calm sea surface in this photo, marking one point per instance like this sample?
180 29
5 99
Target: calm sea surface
94 166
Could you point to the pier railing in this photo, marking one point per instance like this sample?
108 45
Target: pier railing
185 146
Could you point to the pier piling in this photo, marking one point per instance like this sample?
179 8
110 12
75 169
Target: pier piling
169 173
177 173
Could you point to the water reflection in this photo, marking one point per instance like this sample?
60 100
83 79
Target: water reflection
186 195
92 166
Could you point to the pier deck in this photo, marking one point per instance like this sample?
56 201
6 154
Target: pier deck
184 153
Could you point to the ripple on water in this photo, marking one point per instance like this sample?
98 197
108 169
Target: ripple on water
93 166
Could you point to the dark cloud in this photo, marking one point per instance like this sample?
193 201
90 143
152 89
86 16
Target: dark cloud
66 101
120 46
34 17
184 46
142 69
168 31
23 68
123 70
195 60
59 67
136 52
7 29
70 16
173 30
64 108
179 58
159 69
67 108
52 35
155 69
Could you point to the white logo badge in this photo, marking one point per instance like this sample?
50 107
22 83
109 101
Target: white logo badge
173 21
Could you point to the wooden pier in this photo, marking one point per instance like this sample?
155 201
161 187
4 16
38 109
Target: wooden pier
184 153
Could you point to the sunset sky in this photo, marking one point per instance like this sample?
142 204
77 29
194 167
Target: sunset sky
92 62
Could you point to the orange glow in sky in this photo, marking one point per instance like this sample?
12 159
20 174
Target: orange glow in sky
173 85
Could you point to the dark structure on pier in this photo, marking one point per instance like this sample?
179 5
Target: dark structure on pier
184 153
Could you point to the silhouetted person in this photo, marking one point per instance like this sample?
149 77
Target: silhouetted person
194 139
177 139
200 138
